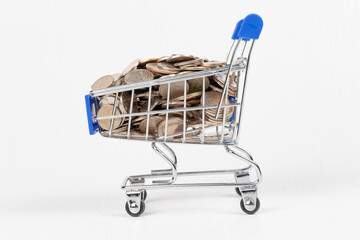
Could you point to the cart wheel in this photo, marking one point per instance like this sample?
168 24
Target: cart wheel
238 191
242 205
142 209
143 195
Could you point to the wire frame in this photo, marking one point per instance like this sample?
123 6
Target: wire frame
198 124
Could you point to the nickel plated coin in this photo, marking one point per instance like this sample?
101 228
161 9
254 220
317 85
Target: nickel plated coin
179 58
161 68
195 62
150 60
131 67
154 122
103 82
168 67
105 111
138 75
175 126
176 89
163 59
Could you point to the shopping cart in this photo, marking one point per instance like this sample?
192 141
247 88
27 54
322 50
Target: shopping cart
225 132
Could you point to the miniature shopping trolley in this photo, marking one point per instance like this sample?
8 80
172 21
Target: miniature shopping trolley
225 131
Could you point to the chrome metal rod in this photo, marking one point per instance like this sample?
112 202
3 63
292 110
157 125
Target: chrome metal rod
131 107
224 117
236 151
237 109
147 115
243 88
203 112
184 112
187 185
172 161
167 111
113 113
230 50
157 174
226 83
165 80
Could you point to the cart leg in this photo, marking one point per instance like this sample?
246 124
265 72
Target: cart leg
247 158
134 206
249 203
170 159
243 178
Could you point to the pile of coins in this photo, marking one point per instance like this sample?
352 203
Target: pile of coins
155 68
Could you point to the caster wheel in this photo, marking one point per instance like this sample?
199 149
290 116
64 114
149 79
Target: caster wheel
238 191
142 209
242 205
144 195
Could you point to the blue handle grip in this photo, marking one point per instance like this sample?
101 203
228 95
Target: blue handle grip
251 27
236 33
93 126
248 28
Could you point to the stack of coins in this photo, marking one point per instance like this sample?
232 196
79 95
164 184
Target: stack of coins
154 68
212 98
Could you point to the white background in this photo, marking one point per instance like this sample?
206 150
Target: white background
301 120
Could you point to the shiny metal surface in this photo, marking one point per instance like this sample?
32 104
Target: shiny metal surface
169 79
172 161
226 133
226 83
207 130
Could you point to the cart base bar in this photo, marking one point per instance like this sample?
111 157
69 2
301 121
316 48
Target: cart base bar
135 186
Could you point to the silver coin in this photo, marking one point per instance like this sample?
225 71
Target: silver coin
175 125
176 89
195 62
154 122
161 68
125 100
221 77
168 67
163 59
105 111
189 96
103 82
196 85
179 58
131 67
178 104
108 100
146 94
117 76
138 75
150 60
214 64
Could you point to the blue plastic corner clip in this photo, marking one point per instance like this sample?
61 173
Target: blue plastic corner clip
93 126
248 28
232 100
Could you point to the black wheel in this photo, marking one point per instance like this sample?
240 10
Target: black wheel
238 191
242 205
142 209
144 195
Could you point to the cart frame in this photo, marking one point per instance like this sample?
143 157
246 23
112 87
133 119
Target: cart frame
226 133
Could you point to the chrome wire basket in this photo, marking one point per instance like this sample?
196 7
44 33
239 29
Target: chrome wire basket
214 124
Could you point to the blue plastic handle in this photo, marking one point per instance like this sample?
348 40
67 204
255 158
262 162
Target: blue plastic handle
93 127
251 27
236 33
